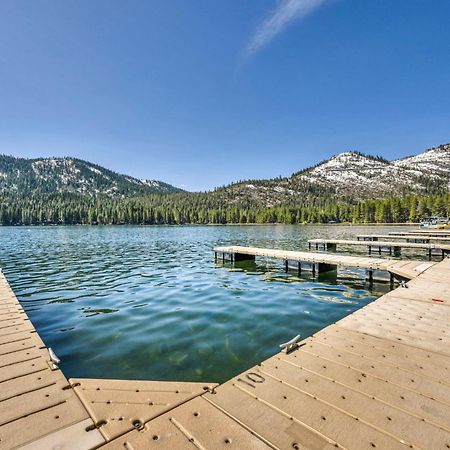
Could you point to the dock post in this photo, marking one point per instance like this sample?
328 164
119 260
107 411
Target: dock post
299 268
429 253
243 257
286 265
313 269
369 275
309 245
325 267
215 256
370 249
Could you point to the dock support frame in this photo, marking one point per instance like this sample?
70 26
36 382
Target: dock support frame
233 257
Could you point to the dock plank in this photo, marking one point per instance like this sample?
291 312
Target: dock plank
122 405
387 418
384 389
196 425
302 407
404 358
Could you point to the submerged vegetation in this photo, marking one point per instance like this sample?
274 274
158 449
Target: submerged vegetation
208 208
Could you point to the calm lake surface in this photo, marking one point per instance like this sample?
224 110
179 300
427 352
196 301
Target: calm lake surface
150 302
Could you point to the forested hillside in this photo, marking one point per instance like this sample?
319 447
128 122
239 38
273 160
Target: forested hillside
350 187
188 208
23 177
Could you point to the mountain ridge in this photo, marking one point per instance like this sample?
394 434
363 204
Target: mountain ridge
68 174
355 175
350 175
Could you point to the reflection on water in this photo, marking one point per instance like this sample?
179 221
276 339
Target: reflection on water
150 302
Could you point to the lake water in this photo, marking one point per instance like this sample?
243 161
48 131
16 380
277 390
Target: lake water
150 302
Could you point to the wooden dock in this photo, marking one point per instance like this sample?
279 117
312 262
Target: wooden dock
378 378
393 247
417 238
316 263
432 233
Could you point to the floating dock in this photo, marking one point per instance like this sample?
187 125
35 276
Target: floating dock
378 378
40 409
394 248
325 262
417 238
432 233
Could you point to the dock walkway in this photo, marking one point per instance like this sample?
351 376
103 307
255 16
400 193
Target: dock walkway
322 262
393 247
378 378
432 233
417 238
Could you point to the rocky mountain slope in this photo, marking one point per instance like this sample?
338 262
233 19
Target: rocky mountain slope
347 176
350 175
50 175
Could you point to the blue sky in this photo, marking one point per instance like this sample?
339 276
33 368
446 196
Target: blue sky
202 93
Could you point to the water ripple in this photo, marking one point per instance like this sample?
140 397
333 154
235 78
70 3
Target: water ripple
150 303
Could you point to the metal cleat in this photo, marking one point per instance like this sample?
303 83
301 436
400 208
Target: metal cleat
291 345
54 360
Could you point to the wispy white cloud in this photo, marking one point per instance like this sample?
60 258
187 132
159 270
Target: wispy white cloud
286 12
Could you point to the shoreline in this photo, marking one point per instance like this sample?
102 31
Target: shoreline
347 224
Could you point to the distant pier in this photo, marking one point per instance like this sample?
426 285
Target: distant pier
416 238
392 247
431 233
